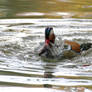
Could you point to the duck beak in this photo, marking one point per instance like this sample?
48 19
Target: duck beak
47 42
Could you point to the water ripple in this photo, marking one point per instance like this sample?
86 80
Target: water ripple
20 64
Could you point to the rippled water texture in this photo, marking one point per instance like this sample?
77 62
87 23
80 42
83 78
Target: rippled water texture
46 9
22 24
22 69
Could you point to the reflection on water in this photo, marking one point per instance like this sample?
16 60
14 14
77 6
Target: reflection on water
22 69
45 9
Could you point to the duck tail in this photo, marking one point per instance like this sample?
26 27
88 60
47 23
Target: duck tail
85 46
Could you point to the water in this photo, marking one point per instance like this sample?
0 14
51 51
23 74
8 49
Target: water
46 9
22 24
20 66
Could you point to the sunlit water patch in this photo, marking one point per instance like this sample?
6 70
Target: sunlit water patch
20 64
46 9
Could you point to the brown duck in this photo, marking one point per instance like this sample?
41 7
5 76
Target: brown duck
74 48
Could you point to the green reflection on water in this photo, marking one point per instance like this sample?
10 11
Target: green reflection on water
45 9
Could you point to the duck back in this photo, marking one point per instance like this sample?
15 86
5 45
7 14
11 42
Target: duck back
74 46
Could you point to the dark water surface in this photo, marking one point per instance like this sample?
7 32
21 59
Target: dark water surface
46 9
22 24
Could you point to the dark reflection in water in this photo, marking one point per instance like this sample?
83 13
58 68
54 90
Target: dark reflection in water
49 70
45 9
48 74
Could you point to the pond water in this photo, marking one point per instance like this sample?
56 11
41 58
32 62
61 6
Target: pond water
46 9
22 25
20 66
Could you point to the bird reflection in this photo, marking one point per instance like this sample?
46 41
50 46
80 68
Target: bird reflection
48 74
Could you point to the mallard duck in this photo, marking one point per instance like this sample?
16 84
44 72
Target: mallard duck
61 48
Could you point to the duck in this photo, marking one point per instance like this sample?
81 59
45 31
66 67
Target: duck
54 48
